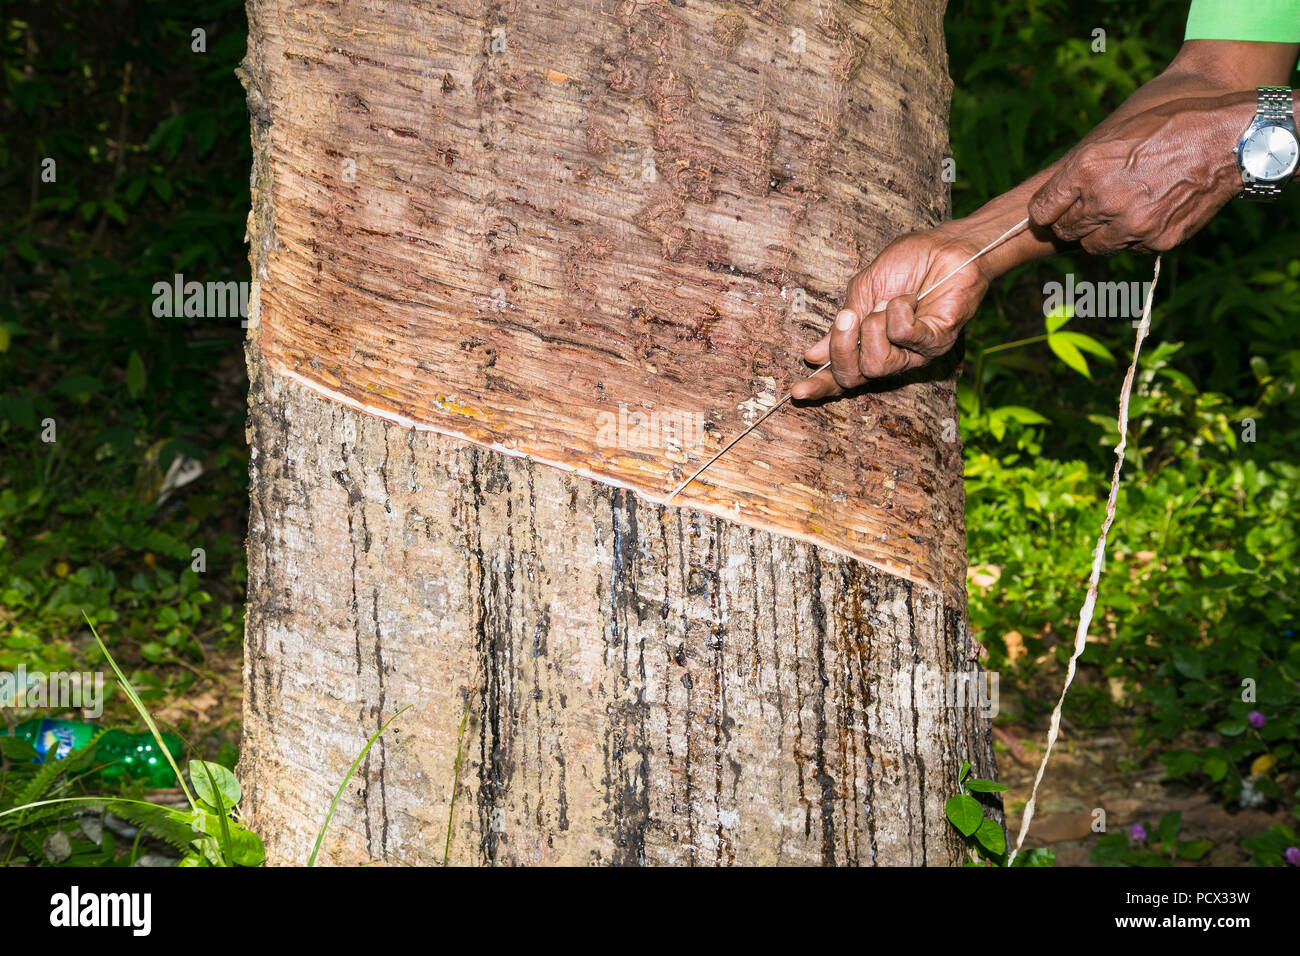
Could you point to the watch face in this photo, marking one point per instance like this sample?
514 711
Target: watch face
1270 153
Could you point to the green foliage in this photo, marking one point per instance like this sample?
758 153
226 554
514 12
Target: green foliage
209 832
1160 847
984 835
1271 847
150 147
1198 595
34 806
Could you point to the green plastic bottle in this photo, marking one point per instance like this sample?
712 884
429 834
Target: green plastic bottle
127 756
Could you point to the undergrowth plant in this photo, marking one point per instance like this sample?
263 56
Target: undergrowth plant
35 800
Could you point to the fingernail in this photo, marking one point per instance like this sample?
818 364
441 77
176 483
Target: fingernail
844 321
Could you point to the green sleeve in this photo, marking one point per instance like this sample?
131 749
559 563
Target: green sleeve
1270 21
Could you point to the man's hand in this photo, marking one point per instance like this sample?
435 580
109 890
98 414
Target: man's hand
865 344
1150 181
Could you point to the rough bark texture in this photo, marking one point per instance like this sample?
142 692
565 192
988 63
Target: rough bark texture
502 220
435 519
644 684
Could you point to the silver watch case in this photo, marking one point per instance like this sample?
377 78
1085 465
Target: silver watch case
1274 110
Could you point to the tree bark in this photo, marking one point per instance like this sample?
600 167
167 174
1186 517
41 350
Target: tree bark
467 284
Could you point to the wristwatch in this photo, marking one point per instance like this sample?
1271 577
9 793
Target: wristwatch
1268 150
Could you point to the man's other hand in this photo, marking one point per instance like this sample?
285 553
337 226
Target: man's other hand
1150 181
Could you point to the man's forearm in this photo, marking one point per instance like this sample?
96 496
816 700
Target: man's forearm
1224 71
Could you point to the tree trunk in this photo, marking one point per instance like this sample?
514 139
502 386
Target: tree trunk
519 269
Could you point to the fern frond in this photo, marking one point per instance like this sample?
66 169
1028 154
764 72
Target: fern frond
161 822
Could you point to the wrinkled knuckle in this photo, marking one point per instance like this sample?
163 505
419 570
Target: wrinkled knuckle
871 366
1067 231
1088 164
933 348
844 378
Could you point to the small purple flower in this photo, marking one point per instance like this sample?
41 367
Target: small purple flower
1256 719
1292 855
1137 832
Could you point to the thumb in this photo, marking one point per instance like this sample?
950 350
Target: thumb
1052 200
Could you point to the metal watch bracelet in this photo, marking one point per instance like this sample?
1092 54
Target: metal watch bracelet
1275 105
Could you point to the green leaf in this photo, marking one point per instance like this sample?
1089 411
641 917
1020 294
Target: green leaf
216 791
1145 858
1088 344
134 190
155 653
1195 849
1232 728
26 250
114 211
1069 353
246 847
1058 318
17 749
985 786
167 824
1026 416
1178 762
1110 850
1168 827
208 778
135 374
1215 768
1188 662
965 813
205 133
991 837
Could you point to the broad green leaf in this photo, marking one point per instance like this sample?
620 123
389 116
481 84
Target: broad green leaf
1215 768
15 748
985 786
135 374
1168 827
1195 849
1058 317
1026 416
223 780
965 813
991 837
246 847
1069 353
1088 344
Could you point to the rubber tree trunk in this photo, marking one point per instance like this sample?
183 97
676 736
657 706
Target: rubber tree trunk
519 269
